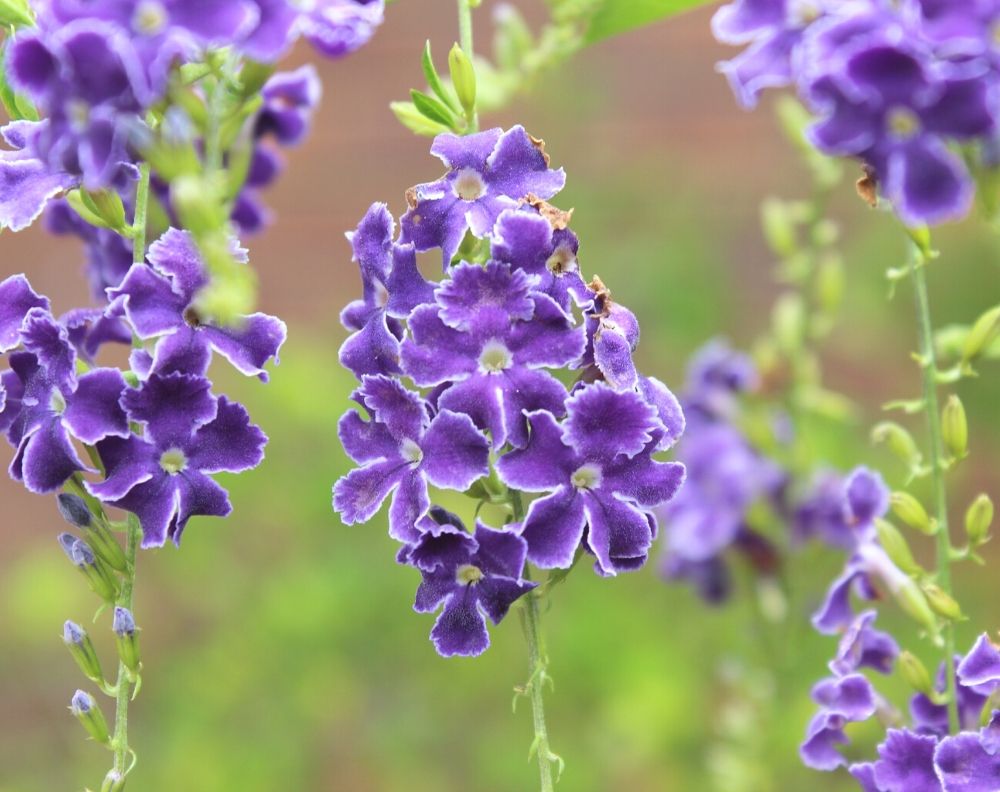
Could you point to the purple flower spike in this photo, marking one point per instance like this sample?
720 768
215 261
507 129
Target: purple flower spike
159 301
488 172
162 477
490 336
599 474
473 576
400 450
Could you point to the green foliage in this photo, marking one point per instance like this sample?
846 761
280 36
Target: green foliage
612 17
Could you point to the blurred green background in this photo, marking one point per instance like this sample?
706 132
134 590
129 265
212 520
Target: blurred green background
280 648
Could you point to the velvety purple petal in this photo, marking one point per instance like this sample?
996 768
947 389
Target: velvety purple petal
980 668
366 441
250 344
473 290
845 126
668 410
888 75
410 502
647 482
906 763
460 629
359 494
867 495
742 20
500 552
184 351
518 167
545 463
835 613
17 298
155 502
229 443
437 353
90 329
434 588
197 495
371 243
522 239
927 183
175 254
615 530
443 546
455 453
481 398
336 29
864 774
553 529
604 422
963 110
851 696
496 595
437 221
963 765
171 406
550 339
26 186
128 462
402 412
407 287
49 342
46 459
93 411
527 391
863 646
468 151
150 303
372 350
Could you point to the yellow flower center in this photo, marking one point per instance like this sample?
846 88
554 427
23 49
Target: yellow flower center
173 461
495 357
586 477
468 574
903 123
150 18
469 185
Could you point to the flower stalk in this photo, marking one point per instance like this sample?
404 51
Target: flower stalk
928 367
124 689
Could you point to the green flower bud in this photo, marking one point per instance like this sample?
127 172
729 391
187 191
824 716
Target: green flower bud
955 428
127 638
916 675
83 652
911 512
85 709
113 782
463 77
779 227
943 603
830 283
16 13
106 205
978 519
983 333
896 547
914 603
899 442
106 547
789 322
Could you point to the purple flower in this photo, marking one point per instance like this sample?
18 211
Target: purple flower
489 336
162 477
862 646
392 287
906 763
27 183
17 298
893 110
488 172
334 27
400 450
842 700
716 375
612 337
970 762
474 576
46 405
599 474
159 301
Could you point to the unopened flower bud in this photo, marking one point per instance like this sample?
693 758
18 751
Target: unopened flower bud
955 428
126 636
943 603
85 709
74 510
99 577
463 77
789 322
911 512
983 333
82 649
830 283
896 547
106 547
916 675
113 782
899 442
913 601
779 227
978 519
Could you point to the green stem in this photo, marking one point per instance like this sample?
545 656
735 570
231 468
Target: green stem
139 221
465 41
124 685
929 371
537 667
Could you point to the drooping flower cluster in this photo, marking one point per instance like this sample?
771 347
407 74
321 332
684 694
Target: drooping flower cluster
157 432
726 478
898 85
464 383
923 756
96 70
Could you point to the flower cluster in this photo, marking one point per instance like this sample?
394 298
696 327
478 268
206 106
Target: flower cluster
726 478
897 85
491 407
155 432
924 756
99 71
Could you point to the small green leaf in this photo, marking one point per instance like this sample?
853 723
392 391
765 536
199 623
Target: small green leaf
434 80
431 108
408 115
16 13
612 17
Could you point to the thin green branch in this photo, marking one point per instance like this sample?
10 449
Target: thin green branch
119 740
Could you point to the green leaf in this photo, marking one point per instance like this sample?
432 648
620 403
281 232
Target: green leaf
408 115
434 80
611 17
431 108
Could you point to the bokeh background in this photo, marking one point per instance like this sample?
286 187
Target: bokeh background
280 648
